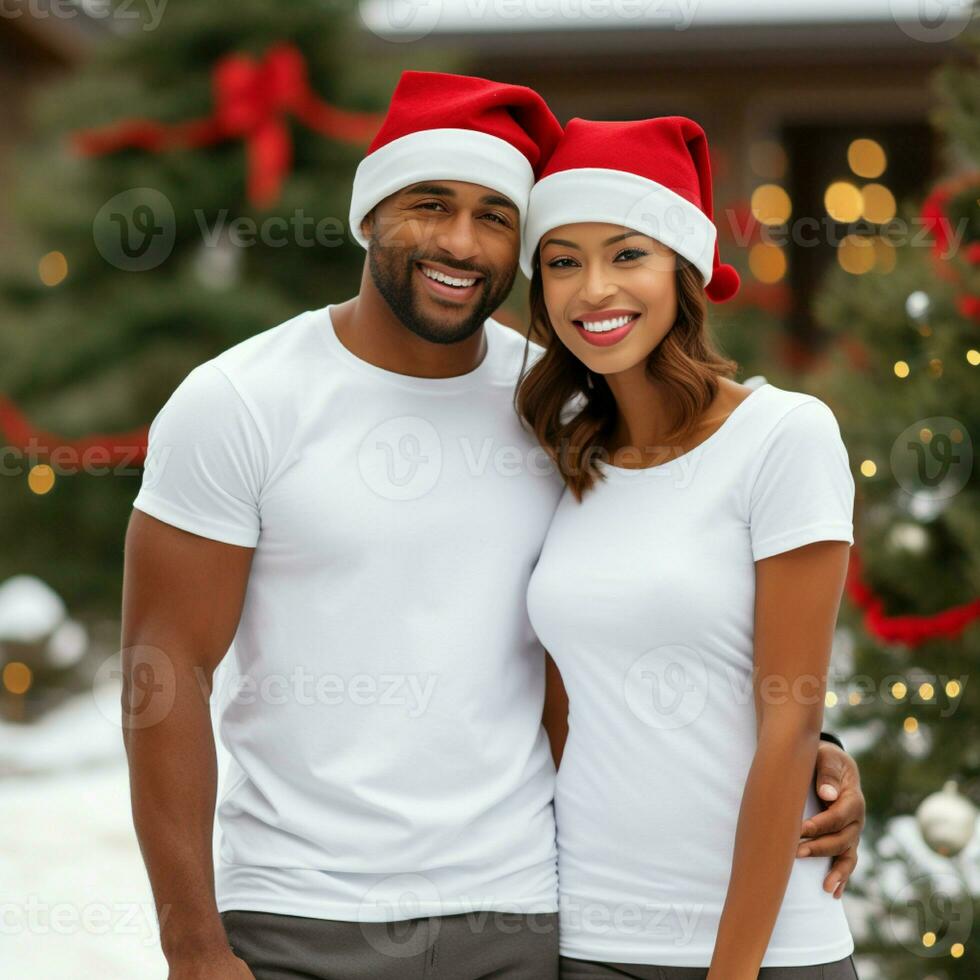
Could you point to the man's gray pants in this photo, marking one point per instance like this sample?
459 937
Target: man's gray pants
469 946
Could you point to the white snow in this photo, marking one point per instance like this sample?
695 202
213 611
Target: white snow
74 897
411 19
29 609
75 900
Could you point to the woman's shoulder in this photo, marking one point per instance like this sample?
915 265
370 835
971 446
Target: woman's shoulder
800 407
774 423
795 429
785 407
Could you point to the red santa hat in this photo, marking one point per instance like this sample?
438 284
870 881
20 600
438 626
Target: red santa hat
651 175
455 127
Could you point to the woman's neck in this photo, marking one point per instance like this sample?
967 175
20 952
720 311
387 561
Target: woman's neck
645 418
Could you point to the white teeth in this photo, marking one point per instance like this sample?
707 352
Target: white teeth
442 277
603 326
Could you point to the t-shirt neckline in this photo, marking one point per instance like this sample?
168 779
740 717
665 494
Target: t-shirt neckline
457 382
629 473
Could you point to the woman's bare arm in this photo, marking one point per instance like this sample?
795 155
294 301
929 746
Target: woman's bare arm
798 596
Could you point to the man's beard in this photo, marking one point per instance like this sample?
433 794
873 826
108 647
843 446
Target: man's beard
393 271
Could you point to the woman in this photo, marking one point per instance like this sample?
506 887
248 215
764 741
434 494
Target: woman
689 584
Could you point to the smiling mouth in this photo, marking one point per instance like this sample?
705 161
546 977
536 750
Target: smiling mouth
459 282
607 325
607 328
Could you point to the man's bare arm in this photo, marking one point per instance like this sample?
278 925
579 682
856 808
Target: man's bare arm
181 603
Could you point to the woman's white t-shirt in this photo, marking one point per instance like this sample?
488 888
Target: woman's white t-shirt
644 597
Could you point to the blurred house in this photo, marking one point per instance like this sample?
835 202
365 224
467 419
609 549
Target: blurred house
783 88
815 109
37 42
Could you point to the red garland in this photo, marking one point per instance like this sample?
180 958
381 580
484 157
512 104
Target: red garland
935 219
938 224
911 631
71 455
969 307
251 100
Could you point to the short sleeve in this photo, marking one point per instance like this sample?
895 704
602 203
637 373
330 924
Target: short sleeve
803 490
205 461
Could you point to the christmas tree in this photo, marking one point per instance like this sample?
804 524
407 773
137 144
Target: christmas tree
187 188
904 388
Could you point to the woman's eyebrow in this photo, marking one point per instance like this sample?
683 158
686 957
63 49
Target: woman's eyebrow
559 241
625 234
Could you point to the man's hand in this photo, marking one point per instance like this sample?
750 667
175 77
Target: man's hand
836 830
223 965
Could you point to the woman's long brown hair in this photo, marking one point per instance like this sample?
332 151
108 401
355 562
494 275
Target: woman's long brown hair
572 411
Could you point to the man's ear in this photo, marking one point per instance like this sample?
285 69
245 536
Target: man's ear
367 224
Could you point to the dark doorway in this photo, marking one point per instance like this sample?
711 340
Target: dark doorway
818 157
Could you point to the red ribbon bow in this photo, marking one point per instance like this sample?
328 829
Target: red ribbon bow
252 99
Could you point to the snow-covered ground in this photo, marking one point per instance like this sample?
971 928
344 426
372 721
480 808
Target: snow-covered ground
75 900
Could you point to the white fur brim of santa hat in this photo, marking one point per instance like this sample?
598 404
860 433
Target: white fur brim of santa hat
624 199
439 154
648 175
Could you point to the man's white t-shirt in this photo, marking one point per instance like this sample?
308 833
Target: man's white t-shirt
381 702
644 596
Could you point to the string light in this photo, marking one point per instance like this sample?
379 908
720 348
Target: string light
856 254
866 157
771 204
17 677
53 268
878 203
843 201
40 478
767 262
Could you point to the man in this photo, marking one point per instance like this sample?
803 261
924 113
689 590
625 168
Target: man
348 504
